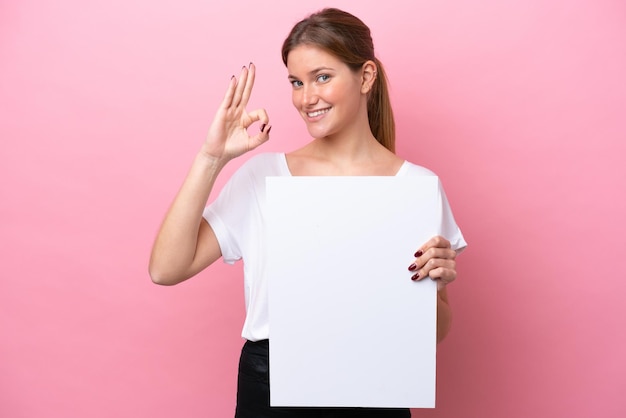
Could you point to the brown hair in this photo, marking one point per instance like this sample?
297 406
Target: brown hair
349 39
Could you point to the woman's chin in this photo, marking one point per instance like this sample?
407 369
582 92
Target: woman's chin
316 132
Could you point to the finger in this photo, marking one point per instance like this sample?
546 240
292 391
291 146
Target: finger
436 263
230 92
257 115
432 266
247 91
432 253
445 273
435 242
260 138
241 85
442 276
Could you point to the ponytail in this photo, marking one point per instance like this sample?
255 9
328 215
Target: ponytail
379 111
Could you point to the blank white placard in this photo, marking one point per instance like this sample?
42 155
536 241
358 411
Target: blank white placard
348 327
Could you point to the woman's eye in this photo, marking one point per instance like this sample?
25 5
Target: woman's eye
323 78
296 83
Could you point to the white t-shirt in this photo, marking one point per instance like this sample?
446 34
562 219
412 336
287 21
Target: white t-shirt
237 217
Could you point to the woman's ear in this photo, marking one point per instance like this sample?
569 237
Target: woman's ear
369 73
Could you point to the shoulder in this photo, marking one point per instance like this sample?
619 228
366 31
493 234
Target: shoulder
264 164
263 159
416 170
248 179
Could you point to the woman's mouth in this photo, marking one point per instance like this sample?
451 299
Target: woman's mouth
317 113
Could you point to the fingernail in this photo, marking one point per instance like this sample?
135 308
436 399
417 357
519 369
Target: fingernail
268 131
419 253
251 64
415 276
262 127
412 267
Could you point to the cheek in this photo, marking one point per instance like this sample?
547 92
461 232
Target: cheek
295 98
331 93
339 93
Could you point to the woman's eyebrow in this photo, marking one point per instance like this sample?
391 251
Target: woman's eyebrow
316 70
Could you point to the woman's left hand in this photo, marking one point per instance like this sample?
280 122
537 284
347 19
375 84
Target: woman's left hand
435 259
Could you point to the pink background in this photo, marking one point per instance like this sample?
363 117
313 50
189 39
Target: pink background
519 106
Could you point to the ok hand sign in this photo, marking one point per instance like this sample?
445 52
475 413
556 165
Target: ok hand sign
228 135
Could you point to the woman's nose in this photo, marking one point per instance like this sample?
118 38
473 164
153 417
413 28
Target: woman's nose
309 95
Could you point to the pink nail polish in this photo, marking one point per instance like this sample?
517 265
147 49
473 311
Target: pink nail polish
412 267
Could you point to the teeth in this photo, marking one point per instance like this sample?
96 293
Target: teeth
317 113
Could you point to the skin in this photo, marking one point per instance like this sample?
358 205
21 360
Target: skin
342 144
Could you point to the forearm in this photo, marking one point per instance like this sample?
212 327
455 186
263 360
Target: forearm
444 315
175 247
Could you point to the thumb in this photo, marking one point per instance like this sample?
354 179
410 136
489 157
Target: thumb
259 115
262 137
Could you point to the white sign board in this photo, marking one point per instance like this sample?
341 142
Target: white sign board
348 326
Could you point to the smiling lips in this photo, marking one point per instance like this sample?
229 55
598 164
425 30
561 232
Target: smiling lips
317 112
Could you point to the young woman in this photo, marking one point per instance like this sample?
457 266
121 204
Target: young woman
340 91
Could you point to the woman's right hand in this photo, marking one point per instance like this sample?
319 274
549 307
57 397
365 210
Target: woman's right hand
228 136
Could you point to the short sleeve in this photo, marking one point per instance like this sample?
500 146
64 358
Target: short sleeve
449 229
236 216
225 239
229 213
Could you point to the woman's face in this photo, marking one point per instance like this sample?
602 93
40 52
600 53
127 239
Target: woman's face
326 92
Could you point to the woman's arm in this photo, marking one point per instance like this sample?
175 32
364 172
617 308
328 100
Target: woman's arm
444 314
185 243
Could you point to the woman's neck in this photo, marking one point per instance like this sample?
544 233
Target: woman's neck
345 149
344 155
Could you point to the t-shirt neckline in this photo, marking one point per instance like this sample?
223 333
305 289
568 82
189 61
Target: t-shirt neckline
401 171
